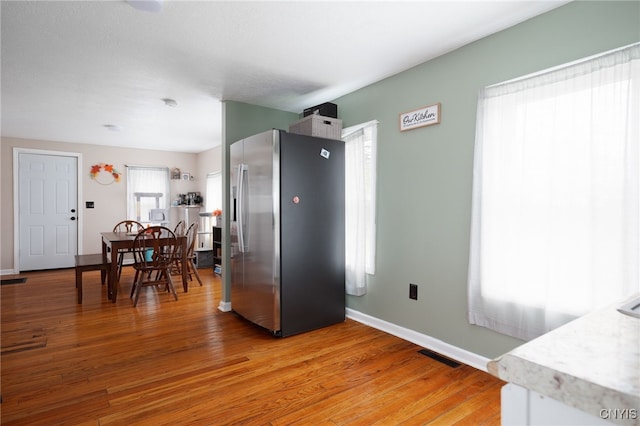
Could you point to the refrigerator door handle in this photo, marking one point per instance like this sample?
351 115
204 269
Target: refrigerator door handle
242 168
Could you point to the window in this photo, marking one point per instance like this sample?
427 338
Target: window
555 223
148 194
213 198
360 191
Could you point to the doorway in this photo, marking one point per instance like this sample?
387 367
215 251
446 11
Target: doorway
46 211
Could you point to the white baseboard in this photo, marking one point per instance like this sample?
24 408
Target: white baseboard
428 342
7 272
224 306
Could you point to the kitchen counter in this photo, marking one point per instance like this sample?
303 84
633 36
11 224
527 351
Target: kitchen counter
591 364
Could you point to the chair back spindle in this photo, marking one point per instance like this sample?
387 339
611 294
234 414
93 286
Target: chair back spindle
128 226
179 228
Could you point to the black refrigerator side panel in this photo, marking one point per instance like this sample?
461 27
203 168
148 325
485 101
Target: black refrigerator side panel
312 233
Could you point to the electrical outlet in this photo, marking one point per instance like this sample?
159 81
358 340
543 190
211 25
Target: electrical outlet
413 291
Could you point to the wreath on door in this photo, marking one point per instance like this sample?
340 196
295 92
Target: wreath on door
104 174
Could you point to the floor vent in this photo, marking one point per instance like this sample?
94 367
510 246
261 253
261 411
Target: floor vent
13 280
433 355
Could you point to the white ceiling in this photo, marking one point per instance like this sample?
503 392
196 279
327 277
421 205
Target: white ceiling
69 68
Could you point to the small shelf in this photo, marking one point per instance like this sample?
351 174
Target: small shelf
205 241
217 250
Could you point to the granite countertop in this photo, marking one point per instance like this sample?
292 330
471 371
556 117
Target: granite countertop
591 363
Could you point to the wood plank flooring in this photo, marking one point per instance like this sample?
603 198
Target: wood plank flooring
185 362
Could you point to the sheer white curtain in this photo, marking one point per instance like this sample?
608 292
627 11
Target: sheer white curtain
555 222
213 197
143 181
360 216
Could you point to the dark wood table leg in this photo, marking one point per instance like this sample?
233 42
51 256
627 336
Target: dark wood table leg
113 276
105 248
185 268
79 283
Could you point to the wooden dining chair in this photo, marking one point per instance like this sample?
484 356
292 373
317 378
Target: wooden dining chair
154 253
191 234
128 226
179 228
179 231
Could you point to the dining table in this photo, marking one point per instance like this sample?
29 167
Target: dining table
113 242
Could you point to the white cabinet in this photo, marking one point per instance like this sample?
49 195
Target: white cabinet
582 373
187 213
520 406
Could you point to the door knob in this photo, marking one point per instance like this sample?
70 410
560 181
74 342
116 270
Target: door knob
73 210
73 218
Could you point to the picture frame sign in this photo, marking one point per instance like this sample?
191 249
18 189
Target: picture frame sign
425 116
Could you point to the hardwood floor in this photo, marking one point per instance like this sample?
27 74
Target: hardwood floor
185 362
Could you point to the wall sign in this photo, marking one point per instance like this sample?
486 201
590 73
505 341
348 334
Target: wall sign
425 116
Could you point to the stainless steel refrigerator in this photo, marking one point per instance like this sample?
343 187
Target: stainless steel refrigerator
287 231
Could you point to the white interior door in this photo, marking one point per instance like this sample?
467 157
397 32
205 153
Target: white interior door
48 211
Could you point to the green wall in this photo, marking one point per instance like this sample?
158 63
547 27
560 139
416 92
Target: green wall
425 174
240 120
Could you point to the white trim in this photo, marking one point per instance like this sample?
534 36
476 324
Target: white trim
428 342
349 130
562 66
163 168
16 222
224 306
